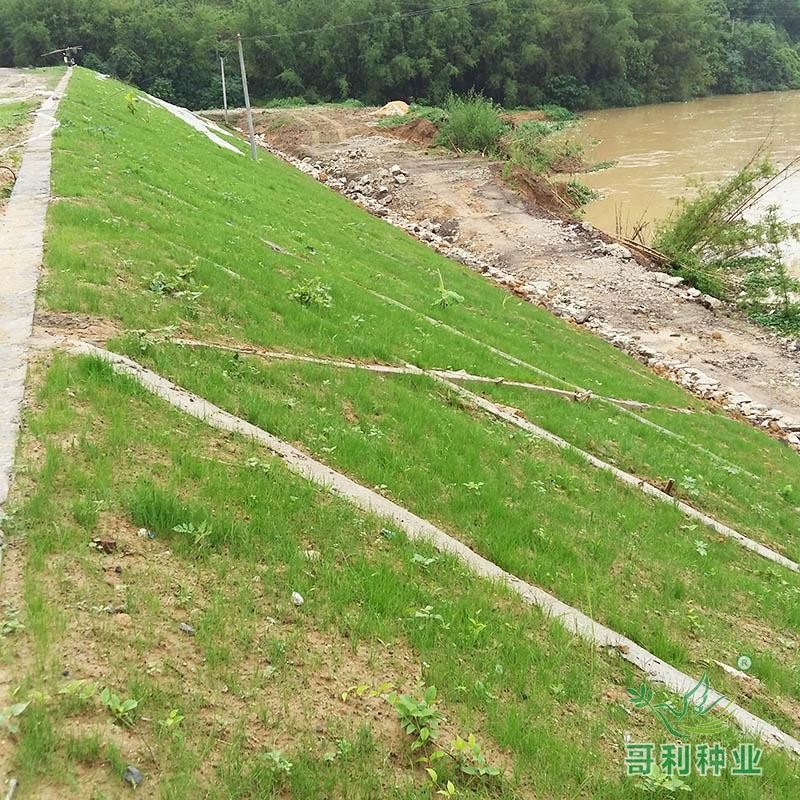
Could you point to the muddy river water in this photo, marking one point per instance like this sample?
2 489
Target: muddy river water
656 148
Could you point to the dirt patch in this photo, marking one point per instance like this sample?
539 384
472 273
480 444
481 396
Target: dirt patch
545 195
70 324
419 131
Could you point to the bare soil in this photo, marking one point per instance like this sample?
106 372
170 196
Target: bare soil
524 233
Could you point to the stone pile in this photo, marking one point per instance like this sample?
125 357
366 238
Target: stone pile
376 190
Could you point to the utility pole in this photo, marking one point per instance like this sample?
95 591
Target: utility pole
250 129
224 87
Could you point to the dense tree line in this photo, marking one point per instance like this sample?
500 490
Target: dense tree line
577 53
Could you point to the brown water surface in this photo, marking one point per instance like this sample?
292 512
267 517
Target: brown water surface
658 147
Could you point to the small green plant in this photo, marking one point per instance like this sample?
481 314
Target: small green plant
200 533
445 296
121 710
659 782
470 758
82 690
418 718
172 720
312 292
9 715
132 102
277 763
181 286
427 614
10 624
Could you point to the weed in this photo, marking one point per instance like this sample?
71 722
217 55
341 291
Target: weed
199 534
9 716
82 690
473 123
172 720
10 624
660 782
182 285
277 763
420 719
701 546
121 710
446 297
470 758
542 147
312 292
132 102
724 250
555 113
426 613
580 193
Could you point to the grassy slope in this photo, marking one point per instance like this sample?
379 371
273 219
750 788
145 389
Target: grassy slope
158 197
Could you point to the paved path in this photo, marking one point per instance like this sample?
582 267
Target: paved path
21 249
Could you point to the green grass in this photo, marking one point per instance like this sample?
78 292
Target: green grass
522 504
544 705
13 115
149 196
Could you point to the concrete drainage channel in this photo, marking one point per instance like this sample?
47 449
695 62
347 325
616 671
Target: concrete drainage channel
449 380
417 528
21 238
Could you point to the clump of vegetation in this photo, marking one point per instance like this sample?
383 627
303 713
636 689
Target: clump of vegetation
312 292
445 297
420 718
715 243
182 285
434 114
555 113
543 147
473 124
579 193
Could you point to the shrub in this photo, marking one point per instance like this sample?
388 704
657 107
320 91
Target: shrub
579 193
473 123
555 113
722 249
286 102
541 147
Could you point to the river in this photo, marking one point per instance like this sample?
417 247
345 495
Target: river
657 148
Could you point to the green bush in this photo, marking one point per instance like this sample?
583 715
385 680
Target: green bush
554 113
287 102
579 193
541 147
716 245
473 123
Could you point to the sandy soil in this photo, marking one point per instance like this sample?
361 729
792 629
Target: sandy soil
494 220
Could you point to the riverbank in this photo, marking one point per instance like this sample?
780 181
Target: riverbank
656 149
703 343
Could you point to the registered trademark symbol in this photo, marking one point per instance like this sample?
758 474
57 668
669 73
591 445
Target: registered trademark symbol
744 663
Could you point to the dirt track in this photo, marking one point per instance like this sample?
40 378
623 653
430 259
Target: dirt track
571 265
